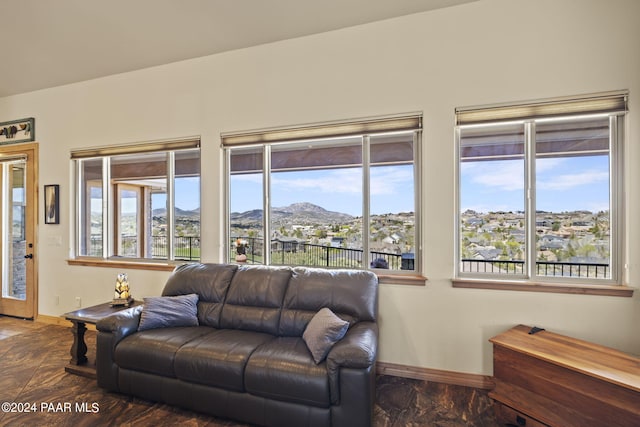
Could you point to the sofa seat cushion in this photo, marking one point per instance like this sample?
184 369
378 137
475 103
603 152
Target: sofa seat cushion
283 369
218 359
154 350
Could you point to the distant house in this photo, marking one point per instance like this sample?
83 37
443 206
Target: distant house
336 242
288 244
474 221
544 223
487 254
389 240
550 242
582 224
393 239
518 235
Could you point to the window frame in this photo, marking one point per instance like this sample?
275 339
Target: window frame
362 128
141 220
530 281
110 254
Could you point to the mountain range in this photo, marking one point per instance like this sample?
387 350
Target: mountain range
178 212
297 213
303 213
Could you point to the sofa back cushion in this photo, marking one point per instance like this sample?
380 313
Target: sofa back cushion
350 294
254 300
211 283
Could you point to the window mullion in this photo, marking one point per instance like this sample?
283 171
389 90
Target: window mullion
417 208
171 220
366 160
266 211
616 210
108 229
226 247
530 196
81 196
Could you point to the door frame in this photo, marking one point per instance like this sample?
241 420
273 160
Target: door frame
28 308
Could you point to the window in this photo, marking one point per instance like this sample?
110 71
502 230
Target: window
539 190
338 195
139 202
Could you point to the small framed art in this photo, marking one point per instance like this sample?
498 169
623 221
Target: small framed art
52 204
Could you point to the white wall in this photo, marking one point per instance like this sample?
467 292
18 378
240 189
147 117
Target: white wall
484 52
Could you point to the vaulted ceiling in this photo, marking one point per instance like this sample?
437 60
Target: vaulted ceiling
52 43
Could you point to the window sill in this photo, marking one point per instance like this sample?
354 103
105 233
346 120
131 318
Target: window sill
135 265
559 288
397 279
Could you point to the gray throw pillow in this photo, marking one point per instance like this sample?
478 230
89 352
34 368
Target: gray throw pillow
165 312
323 331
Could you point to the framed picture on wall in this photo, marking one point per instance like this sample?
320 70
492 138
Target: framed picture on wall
16 131
52 204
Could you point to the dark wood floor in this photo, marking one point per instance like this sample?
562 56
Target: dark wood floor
33 356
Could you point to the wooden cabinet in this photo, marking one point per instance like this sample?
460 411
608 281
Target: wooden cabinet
549 379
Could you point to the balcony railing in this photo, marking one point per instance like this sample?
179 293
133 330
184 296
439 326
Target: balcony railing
310 255
543 268
185 248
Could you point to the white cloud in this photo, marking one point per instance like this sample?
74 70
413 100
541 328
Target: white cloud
549 164
337 181
389 181
572 180
497 175
384 181
255 178
509 176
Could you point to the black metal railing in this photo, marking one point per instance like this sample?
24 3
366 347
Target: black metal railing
311 255
301 253
492 267
543 268
185 248
573 269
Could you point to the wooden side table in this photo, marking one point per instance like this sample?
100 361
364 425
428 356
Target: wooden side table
547 379
79 363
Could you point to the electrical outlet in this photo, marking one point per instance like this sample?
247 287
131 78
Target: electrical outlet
78 302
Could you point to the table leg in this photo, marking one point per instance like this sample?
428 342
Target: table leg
79 347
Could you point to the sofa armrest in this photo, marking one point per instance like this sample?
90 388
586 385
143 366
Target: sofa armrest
122 323
111 330
358 349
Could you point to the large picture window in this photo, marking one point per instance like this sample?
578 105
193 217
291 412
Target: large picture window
539 191
339 196
139 202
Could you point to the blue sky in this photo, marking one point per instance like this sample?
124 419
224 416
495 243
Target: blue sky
336 190
563 184
187 195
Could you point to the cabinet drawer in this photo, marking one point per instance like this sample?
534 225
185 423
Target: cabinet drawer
510 417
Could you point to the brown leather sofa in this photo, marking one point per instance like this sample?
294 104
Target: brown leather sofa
246 359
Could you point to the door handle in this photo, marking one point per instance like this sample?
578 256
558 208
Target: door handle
29 256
